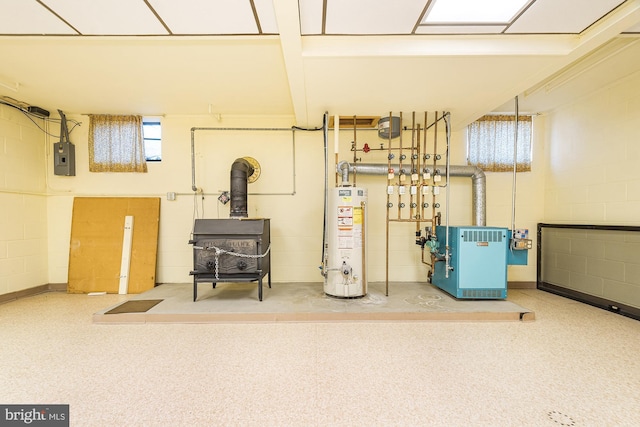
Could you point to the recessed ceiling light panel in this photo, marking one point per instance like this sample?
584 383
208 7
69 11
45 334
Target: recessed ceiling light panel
472 11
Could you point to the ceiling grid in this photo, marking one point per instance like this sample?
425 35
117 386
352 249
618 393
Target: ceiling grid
299 57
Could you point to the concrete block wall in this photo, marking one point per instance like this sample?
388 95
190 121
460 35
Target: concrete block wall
23 202
592 177
37 205
605 264
593 147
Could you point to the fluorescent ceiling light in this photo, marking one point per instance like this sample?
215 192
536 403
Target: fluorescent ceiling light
473 11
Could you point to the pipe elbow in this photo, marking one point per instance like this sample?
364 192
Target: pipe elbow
342 165
478 174
242 165
343 169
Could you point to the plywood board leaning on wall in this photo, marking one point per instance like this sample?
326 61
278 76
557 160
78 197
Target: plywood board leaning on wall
95 251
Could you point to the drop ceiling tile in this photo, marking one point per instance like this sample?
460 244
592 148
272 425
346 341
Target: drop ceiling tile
310 16
108 17
473 11
562 17
460 29
29 17
372 16
207 16
267 16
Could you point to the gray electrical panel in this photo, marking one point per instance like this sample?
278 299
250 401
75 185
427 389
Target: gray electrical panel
64 159
64 152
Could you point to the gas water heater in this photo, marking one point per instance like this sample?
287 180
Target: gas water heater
345 253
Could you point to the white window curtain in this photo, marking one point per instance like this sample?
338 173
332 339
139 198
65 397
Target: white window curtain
491 141
116 143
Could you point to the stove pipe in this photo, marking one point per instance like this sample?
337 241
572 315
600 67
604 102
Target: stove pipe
240 172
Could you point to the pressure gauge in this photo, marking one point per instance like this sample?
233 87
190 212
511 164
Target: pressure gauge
256 169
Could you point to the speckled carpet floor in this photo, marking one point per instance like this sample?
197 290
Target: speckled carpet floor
575 365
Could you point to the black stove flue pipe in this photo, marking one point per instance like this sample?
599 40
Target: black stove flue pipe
240 172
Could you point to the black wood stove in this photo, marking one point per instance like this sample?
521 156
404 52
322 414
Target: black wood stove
231 250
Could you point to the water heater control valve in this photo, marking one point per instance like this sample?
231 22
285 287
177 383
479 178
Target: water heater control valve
346 270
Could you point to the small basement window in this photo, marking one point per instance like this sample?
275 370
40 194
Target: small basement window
490 142
152 137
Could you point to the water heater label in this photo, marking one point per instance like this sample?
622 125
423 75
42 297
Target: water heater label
345 211
345 242
344 193
357 216
345 222
345 217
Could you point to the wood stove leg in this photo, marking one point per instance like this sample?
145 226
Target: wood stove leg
269 282
195 289
260 289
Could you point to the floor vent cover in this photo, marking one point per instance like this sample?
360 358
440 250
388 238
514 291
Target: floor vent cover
561 419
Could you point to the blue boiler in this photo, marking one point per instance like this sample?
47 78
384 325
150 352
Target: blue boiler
478 262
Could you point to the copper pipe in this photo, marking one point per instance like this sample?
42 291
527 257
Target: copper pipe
354 146
370 149
412 197
424 146
401 176
435 151
422 180
364 252
423 261
419 180
386 280
410 220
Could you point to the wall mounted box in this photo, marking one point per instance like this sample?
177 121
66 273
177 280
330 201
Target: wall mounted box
64 159
515 256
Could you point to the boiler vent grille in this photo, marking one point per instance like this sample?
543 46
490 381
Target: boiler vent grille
482 293
482 236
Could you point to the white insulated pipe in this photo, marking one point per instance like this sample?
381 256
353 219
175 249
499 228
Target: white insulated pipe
515 169
336 134
447 255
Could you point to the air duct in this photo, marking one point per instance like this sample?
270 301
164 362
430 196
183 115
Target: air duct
241 169
478 181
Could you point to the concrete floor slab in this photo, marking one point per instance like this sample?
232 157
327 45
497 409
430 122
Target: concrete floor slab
307 302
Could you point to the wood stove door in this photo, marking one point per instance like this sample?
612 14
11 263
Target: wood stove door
227 263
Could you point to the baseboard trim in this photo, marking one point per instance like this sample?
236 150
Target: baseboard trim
522 285
58 287
24 293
